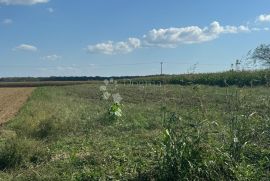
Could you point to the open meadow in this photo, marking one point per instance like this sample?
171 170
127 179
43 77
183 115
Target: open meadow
166 132
119 90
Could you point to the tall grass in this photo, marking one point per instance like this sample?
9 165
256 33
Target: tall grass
194 150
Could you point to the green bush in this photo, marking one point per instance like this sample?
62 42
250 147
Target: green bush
11 154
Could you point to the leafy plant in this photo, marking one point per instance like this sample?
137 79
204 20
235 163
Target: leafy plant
115 111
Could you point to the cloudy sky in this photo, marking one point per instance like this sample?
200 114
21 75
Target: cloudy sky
121 37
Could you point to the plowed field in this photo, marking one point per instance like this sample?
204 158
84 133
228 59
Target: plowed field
11 100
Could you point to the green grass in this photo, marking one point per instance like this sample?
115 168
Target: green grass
62 133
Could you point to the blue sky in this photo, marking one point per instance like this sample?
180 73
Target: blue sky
122 37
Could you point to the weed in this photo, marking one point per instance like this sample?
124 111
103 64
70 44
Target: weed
17 152
185 155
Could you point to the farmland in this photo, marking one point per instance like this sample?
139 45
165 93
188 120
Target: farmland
64 133
11 101
134 90
41 83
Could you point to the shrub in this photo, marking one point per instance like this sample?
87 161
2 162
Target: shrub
11 154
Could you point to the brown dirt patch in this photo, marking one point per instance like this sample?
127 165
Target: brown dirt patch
11 100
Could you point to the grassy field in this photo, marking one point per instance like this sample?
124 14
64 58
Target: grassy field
170 132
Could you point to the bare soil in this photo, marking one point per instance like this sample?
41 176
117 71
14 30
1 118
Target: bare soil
11 100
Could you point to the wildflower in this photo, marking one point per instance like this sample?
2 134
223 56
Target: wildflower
106 95
102 88
235 140
117 98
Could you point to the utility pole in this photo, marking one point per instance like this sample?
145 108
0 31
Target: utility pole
161 68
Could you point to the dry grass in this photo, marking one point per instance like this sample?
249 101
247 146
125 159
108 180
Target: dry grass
11 100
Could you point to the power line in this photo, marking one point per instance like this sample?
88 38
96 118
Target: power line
161 68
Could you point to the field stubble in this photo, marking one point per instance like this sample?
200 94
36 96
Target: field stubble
11 100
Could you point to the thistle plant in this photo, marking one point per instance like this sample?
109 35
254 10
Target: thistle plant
109 94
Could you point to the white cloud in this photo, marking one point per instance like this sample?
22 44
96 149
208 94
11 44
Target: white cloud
263 18
168 38
172 37
260 29
22 2
25 47
7 21
243 28
50 10
52 57
256 29
111 47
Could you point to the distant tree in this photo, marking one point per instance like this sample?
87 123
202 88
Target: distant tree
232 67
261 55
